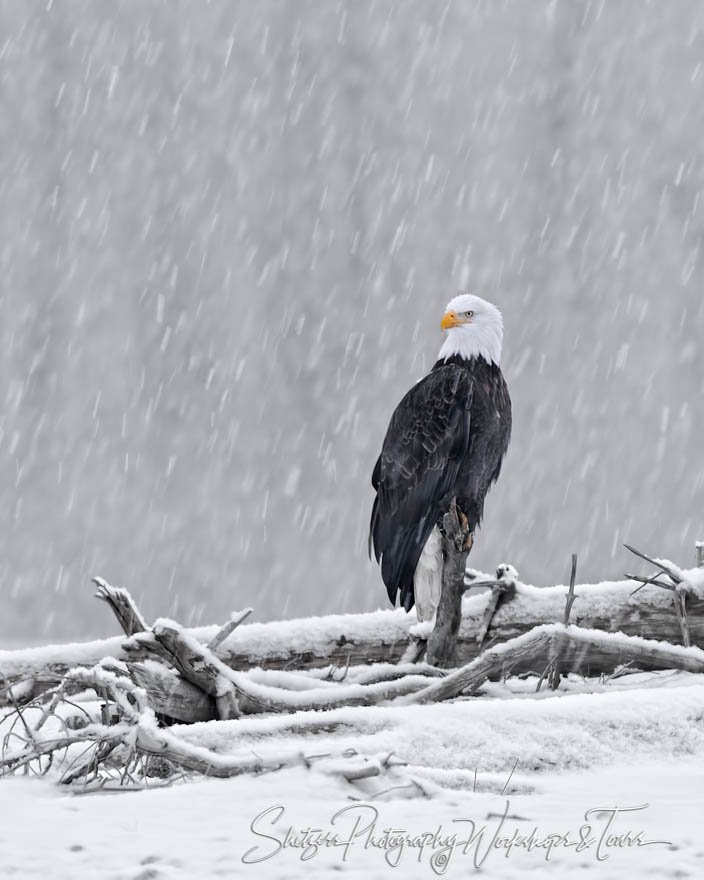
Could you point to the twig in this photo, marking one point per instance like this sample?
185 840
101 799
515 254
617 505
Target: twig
18 710
365 772
546 673
331 672
555 672
570 595
228 628
513 770
679 599
620 671
644 582
50 708
680 602
504 585
413 785
672 574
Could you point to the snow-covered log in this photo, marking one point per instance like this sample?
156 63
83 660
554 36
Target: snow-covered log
385 636
123 744
165 673
195 674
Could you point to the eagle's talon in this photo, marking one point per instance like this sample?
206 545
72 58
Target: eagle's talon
466 531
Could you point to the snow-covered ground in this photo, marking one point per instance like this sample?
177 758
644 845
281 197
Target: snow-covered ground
217 828
606 784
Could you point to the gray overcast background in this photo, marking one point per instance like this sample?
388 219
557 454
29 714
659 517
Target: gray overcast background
229 231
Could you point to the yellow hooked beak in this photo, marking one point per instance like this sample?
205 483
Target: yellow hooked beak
450 320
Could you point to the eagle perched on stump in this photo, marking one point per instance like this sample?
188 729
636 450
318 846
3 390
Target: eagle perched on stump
446 439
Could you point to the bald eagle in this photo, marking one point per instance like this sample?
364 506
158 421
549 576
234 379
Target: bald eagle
447 439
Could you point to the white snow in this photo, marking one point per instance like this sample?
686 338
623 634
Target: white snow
423 628
509 765
540 760
13 662
544 759
692 579
564 732
315 634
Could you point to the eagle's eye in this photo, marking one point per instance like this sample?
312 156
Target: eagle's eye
468 314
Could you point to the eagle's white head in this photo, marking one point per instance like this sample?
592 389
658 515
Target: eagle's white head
474 328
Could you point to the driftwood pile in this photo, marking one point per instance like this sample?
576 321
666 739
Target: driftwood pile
163 674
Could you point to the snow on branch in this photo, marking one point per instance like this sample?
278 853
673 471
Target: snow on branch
103 713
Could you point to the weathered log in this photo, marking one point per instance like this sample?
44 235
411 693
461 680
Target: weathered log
172 697
571 645
237 693
120 745
504 587
197 675
456 543
198 666
384 636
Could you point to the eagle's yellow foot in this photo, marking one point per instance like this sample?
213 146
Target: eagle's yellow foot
464 523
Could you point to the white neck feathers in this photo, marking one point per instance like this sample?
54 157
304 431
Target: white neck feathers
480 339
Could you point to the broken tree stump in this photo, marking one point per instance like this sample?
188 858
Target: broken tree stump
123 606
442 641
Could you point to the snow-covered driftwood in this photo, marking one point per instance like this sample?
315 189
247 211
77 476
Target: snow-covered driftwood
385 636
164 673
122 746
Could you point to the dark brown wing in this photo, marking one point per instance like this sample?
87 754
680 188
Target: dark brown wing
415 475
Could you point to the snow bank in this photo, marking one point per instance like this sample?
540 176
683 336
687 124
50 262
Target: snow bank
562 731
